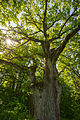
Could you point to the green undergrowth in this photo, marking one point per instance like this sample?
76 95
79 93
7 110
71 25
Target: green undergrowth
14 105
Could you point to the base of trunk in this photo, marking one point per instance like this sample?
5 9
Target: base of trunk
45 102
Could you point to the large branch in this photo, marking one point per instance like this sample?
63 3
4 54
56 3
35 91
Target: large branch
45 11
34 33
33 39
26 36
59 36
67 20
52 24
44 20
11 51
55 38
34 22
65 41
13 64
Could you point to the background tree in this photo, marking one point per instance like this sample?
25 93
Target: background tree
40 33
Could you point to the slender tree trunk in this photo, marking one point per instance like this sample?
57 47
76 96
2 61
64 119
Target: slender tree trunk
46 97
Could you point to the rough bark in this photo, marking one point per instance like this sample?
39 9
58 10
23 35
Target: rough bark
46 97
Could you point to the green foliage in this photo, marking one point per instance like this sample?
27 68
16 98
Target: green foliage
69 66
14 105
70 102
24 22
64 119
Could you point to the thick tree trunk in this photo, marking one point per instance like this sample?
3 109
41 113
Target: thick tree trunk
46 97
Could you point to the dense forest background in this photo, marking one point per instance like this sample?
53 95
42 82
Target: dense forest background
19 55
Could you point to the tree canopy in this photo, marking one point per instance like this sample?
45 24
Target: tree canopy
31 30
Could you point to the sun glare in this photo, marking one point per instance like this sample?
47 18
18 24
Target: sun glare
9 42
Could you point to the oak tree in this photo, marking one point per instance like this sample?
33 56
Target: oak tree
39 31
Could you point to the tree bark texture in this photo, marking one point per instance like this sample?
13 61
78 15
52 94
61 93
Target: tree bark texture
46 98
